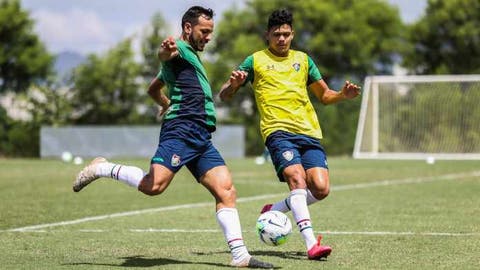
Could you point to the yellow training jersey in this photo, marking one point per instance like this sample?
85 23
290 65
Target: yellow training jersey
280 85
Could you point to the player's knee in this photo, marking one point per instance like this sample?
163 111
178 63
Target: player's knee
149 187
151 191
321 192
296 180
230 193
227 196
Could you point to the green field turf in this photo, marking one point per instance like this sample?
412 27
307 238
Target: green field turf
379 215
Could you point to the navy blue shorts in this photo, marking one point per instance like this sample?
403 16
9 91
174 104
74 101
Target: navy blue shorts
186 143
288 149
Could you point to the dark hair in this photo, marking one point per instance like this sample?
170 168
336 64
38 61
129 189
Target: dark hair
193 13
280 17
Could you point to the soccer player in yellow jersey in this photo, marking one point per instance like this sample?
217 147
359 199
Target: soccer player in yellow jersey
289 125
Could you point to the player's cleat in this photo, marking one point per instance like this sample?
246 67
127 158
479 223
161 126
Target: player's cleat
266 208
318 251
251 262
87 175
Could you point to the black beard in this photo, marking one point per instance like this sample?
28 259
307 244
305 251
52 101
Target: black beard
193 43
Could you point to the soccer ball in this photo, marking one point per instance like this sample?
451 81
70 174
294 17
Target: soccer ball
67 156
274 228
78 160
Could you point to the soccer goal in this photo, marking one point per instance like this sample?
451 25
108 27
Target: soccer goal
419 117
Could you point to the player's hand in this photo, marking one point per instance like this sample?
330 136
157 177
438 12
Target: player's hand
162 110
237 78
350 90
168 49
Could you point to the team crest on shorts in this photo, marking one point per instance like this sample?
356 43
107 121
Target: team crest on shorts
175 160
288 155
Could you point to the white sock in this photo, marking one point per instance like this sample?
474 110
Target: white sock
310 198
230 223
298 203
284 205
129 175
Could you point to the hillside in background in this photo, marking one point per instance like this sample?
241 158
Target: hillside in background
65 62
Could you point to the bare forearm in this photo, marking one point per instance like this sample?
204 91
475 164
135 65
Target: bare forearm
331 97
155 92
227 91
160 98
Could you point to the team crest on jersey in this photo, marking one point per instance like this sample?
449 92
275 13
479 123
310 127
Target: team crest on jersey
288 155
296 66
270 67
175 160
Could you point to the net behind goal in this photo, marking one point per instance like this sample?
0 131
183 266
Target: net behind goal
418 117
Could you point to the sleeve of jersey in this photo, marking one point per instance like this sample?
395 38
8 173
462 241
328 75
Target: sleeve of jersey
160 76
247 66
313 72
181 48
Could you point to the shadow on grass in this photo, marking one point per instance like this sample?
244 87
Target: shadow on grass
139 261
293 255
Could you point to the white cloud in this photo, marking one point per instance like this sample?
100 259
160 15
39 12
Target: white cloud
96 26
76 28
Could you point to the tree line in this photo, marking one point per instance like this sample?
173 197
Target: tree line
346 39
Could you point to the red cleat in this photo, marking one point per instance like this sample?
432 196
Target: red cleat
318 252
266 208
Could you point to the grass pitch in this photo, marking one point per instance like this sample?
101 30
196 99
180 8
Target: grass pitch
379 215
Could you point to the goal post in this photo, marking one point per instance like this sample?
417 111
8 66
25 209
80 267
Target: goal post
419 117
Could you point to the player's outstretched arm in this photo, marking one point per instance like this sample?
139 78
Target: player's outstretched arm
168 49
329 96
237 78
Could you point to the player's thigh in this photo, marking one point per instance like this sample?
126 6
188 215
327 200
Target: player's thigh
285 156
315 163
207 158
161 175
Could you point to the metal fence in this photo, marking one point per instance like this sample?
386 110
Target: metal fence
126 141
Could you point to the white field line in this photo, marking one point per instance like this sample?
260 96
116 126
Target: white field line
411 180
203 231
322 232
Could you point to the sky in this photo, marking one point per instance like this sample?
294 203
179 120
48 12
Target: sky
94 26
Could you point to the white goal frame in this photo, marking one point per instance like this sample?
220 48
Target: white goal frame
371 96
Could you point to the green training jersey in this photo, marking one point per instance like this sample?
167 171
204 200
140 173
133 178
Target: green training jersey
188 88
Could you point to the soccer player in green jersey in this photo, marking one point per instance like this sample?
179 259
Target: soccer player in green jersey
289 125
185 136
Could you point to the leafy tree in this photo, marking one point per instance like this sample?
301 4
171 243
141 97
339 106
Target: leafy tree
49 105
446 40
109 89
23 58
18 138
39 106
346 39
153 36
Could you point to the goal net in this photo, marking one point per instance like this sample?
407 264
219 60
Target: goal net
419 117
